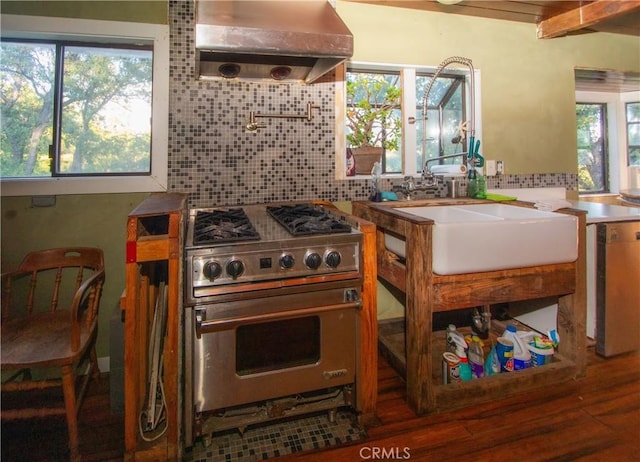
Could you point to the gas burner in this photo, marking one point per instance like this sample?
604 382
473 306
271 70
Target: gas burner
223 225
304 219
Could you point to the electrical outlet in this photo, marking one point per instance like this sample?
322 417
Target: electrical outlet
490 167
500 167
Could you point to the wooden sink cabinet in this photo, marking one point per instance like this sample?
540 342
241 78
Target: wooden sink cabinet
426 293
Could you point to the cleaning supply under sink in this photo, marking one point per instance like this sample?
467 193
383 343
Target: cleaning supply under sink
456 340
521 355
476 357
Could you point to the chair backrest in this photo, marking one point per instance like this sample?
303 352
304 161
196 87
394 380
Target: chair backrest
70 277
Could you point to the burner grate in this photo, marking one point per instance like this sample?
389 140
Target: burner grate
304 219
223 225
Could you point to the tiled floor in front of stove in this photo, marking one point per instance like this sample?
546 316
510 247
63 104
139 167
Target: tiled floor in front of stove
276 439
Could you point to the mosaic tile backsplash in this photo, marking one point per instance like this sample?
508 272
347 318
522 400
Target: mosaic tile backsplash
217 162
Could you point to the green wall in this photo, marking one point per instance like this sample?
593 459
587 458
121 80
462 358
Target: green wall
527 84
153 12
98 220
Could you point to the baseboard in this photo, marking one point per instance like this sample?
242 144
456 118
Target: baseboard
104 364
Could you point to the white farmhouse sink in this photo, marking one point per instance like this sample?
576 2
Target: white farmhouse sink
488 237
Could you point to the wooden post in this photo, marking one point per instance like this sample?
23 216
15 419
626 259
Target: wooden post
148 254
418 312
367 378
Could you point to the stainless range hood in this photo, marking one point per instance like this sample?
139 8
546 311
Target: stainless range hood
272 40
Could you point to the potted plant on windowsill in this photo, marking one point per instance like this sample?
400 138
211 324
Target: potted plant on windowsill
372 125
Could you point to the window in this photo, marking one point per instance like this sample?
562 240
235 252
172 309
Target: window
592 147
88 115
374 120
82 113
445 115
632 111
388 102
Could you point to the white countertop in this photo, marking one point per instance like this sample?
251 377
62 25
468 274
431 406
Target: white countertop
604 213
596 212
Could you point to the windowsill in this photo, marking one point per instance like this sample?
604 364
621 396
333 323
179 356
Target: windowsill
89 185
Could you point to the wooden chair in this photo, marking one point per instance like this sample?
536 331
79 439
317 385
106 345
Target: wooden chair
50 319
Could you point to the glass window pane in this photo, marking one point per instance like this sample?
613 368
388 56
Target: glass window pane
26 109
633 133
452 140
633 112
590 120
106 114
277 345
445 114
374 116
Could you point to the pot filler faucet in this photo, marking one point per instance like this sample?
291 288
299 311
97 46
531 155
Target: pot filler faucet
429 181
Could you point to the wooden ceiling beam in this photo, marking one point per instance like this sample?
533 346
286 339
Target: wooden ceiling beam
584 16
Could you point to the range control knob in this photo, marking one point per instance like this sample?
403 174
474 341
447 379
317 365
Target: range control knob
313 260
235 268
212 270
333 259
287 261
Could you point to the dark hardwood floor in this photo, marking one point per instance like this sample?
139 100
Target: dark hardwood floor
593 419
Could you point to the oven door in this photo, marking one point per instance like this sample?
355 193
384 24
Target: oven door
270 347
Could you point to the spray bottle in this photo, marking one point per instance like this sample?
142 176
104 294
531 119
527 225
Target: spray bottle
461 347
476 357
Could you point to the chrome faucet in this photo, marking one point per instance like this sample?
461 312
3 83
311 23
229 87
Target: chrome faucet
429 181
471 160
409 186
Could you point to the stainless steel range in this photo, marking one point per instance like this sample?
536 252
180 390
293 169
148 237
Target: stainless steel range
271 322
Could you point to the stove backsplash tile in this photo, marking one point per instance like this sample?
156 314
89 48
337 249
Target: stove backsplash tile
217 162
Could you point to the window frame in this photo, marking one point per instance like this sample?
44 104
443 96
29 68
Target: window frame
606 149
410 114
627 125
618 168
85 30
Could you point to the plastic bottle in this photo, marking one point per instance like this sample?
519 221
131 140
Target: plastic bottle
465 369
481 192
461 352
472 186
476 357
376 176
521 355
451 331
492 364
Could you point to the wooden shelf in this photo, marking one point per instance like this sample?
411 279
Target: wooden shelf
462 394
153 257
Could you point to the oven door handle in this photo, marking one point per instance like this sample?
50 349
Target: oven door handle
217 325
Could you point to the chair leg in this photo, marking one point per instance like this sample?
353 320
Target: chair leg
69 389
94 369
